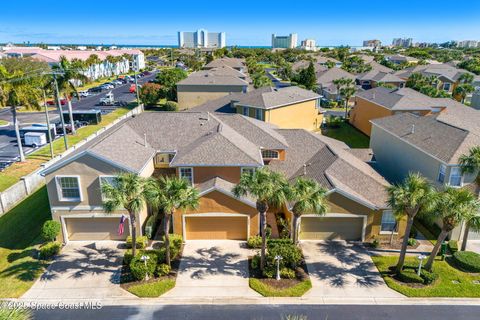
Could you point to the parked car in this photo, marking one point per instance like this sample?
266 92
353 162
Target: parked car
84 93
107 86
53 103
95 89
132 89
146 73
117 82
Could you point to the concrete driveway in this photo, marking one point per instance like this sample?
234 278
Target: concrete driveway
82 270
343 270
213 269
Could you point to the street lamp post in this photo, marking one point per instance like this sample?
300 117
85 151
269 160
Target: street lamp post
421 258
277 259
145 258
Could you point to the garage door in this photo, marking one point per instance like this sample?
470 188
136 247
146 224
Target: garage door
95 229
330 228
473 235
216 228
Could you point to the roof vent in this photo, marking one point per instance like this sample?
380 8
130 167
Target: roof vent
412 131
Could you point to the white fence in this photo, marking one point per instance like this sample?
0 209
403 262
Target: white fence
31 182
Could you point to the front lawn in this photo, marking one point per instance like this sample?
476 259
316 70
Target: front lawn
3 122
451 281
350 135
266 290
19 239
12 174
152 289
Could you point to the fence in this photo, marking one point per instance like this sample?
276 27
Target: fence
31 182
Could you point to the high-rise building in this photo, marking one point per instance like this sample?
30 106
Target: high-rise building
284 42
201 39
308 44
372 43
402 42
467 44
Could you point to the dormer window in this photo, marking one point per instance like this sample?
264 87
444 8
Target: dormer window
270 154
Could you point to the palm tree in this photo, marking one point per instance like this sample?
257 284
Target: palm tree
453 206
309 198
92 60
347 91
462 90
338 85
270 189
172 194
21 83
128 191
470 164
414 195
70 72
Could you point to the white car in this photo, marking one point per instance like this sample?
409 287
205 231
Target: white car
107 86
117 82
84 93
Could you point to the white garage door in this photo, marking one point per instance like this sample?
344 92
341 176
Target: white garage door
95 229
331 228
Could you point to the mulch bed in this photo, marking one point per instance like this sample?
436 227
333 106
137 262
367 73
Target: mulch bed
127 280
301 272
396 245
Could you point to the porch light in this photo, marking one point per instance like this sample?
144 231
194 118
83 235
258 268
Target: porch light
278 258
145 258
420 258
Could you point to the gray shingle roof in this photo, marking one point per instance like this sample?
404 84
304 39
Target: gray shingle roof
218 76
222 185
380 67
435 135
445 70
325 78
269 97
401 99
379 76
231 62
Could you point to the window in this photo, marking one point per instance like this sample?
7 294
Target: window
69 188
389 223
248 170
269 154
455 177
245 111
111 180
187 173
441 173
259 114
446 86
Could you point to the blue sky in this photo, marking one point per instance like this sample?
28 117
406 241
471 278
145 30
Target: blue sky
245 22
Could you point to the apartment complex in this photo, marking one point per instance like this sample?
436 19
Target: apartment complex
284 42
308 44
201 39
402 42
372 43
468 44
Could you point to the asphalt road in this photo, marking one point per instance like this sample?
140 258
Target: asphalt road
268 312
8 143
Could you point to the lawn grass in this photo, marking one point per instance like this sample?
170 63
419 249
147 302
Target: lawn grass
268 291
152 289
19 169
348 134
19 237
443 287
3 122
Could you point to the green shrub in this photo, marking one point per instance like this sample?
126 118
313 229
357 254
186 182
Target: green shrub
291 255
287 273
140 269
127 257
176 242
413 233
275 242
255 264
375 243
142 242
163 269
270 271
428 277
170 106
151 226
15 313
412 242
408 275
51 230
453 246
254 242
467 260
50 249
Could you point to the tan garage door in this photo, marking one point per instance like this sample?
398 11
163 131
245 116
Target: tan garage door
330 228
216 228
95 229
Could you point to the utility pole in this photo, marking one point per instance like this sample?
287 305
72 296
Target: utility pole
50 140
59 104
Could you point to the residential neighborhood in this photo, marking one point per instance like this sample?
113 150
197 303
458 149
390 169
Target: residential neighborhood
243 173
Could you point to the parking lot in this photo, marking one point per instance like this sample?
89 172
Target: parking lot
8 143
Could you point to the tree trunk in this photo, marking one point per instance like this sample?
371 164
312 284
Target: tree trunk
70 114
167 237
17 134
403 251
294 229
263 217
465 236
60 111
441 237
346 107
133 226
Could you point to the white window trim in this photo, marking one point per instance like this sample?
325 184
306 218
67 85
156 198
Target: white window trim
100 183
59 189
278 154
450 177
396 224
180 173
449 86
